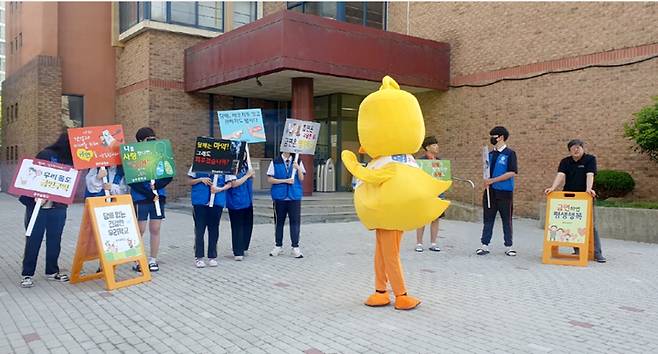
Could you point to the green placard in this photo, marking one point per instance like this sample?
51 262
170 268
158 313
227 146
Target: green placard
439 169
147 161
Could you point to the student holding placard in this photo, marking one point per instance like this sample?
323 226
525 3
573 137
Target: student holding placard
96 187
50 221
239 201
431 147
145 195
206 216
286 175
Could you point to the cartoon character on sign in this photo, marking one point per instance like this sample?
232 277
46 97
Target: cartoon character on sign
108 139
32 175
553 233
257 132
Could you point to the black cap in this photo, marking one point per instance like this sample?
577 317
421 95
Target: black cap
429 141
575 142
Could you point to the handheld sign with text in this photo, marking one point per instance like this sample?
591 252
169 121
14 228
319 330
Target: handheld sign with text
109 233
93 147
44 180
569 223
148 160
243 125
218 156
439 169
299 137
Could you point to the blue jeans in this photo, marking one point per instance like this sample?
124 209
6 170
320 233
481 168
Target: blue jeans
50 223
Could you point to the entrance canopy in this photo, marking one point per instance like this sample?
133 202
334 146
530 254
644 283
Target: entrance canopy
258 60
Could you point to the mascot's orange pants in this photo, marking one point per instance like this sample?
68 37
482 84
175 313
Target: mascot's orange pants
387 261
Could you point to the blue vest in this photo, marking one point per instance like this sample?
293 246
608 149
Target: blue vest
117 180
201 192
240 197
285 191
138 197
500 168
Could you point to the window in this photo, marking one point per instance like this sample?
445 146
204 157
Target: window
243 12
16 111
369 13
2 48
2 32
73 110
128 15
183 12
2 64
8 114
211 14
15 152
159 11
11 47
20 40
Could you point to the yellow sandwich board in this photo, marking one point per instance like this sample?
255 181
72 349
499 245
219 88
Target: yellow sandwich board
109 233
569 223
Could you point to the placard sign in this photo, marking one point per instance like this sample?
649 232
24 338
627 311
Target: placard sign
148 160
300 137
569 223
439 169
96 146
118 232
243 125
46 180
218 156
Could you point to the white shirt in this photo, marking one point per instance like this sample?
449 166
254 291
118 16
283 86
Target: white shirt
501 148
288 163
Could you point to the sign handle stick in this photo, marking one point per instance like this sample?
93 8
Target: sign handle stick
105 180
488 199
211 203
294 171
248 156
158 212
33 219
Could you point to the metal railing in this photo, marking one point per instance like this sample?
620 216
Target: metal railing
467 181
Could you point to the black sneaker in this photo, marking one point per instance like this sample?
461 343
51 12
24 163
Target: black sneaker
58 277
153 266
137 268
600 259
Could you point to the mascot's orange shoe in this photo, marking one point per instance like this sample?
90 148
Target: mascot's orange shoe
378 299
406 302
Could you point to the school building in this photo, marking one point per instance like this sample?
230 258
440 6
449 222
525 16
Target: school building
549 72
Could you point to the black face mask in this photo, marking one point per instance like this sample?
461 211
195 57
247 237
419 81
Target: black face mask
493 140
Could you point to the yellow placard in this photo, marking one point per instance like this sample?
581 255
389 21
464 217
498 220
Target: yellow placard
109 233
569 223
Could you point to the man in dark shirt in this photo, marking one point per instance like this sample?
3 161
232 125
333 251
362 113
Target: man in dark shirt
577 173
503 168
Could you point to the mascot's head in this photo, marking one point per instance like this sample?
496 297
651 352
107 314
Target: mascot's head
390 122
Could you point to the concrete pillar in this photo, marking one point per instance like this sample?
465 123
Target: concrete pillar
302 108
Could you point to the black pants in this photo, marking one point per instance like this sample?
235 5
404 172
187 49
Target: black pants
206 217
502 205
292 208
242 224
51 223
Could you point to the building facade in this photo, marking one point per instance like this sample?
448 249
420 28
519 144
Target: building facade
574 70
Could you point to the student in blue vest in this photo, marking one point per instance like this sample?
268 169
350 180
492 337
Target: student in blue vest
239 202
96 187
503 169
287 197
206 217
50 222
144 199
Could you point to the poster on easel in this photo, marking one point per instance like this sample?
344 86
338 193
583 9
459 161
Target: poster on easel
569 224
109 234
44 181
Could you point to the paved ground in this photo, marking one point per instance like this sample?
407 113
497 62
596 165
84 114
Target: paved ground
314 305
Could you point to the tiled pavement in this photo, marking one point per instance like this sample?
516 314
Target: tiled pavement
470 303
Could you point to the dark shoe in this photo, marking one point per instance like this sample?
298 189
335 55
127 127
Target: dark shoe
481 252
27 282
57 277
600 259
153 266
137 268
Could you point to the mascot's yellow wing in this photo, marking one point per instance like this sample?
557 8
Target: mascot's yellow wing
376 177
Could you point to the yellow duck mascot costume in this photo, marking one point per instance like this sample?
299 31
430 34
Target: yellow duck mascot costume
393 194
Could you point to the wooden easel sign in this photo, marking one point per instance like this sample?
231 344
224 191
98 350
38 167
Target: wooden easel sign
569 224
109 233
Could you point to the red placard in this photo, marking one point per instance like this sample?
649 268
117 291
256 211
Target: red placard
44 179
93 147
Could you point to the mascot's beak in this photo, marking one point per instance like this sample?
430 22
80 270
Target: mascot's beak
361 150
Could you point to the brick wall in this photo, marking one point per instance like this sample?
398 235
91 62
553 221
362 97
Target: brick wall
271 7
490 41
37 89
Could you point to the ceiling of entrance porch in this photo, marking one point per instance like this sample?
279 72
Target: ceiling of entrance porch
278 86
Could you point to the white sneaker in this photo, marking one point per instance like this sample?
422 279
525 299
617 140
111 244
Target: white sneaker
297 253
200 263
419 247
246 253
238 258
212 262
276 251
